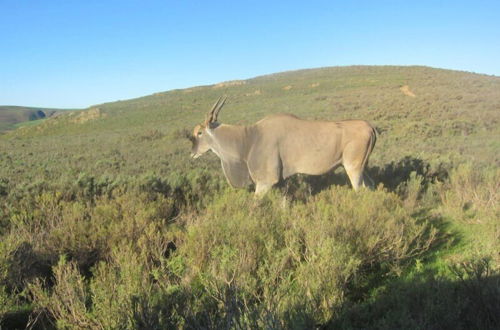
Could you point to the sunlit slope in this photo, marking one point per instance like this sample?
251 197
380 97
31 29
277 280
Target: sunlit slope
433 114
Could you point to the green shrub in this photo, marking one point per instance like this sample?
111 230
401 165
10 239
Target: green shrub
472 192
4 187
89 187
470 299
50 227
68 299
301 263
121 294
7 302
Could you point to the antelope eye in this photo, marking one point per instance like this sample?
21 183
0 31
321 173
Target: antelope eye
199 133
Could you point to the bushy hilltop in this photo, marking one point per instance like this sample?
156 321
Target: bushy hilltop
107 223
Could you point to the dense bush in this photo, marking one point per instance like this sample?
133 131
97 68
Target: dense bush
159 252
469 299
471 192
304 261
121 261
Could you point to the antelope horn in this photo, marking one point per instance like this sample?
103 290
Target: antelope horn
214 112
210 114
217 110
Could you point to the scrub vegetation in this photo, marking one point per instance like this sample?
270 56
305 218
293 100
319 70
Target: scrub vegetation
106 223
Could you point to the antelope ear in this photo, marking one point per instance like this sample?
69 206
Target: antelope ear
236 173
213 125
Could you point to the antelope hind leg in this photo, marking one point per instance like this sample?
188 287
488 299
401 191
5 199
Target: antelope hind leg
262 188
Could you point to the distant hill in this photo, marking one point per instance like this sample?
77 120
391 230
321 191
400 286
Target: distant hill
12 115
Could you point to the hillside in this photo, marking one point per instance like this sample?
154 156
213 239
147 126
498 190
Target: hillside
12 115
446 113
107 223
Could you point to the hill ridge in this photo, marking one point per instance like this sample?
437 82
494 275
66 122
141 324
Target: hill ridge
287 73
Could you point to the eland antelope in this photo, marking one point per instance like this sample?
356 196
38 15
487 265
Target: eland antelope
281 145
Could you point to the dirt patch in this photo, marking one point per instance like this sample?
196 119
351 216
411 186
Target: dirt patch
230 83
90 114
287 88
314 85
256 92
406 91
193 89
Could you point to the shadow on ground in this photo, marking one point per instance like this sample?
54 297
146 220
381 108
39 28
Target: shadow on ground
429 302
390 175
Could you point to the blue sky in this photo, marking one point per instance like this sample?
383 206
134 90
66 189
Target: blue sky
71 54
